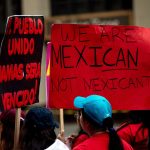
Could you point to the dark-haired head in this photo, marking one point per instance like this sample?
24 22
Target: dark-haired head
38 129
97 117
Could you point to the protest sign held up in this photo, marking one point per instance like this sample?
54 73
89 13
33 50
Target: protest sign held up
20 61
112 61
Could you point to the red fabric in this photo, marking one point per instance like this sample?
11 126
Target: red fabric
135 135
97 142
81 138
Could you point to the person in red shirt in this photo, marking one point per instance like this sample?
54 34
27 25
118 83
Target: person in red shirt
137 131
96 120
74 139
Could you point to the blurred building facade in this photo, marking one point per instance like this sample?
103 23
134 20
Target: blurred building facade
128 12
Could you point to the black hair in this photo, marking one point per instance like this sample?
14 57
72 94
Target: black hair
94 125
7 137
38 130
115 142
34 139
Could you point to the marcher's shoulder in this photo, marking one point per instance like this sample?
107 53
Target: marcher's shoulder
123 126
58 145
130 126
126 145
80 147
85 145
130 129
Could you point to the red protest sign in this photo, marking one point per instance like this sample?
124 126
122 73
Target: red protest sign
112 61
20 61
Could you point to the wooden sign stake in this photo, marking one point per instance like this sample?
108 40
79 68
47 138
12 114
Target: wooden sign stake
17 128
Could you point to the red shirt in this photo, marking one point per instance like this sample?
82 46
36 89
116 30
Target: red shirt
98 142
135 135
79 139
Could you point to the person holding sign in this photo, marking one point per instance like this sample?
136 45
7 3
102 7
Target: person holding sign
96 120
38 132
136 131
74 139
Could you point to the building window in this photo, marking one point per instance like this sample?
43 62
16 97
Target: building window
60 7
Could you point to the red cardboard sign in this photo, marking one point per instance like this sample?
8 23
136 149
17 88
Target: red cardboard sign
112 61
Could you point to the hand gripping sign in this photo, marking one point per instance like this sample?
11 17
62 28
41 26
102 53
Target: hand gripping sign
20 61
112 61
